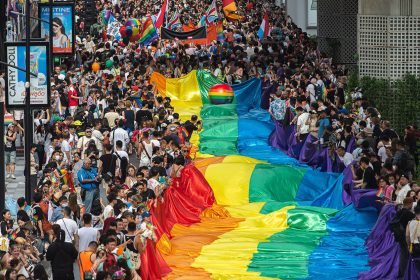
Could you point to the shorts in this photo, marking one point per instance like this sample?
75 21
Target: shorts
10 157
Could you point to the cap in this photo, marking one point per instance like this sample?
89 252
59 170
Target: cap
145 214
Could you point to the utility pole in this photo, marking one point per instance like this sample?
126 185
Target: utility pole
27 111
2 98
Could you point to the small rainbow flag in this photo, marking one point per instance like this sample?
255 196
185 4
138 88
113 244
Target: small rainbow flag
380 193
8 119
219 32
148 33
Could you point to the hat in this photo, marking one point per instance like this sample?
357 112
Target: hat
10 125
77 123
368 131
145 214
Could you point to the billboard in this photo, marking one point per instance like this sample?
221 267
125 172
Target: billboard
15 86
62 31
311 13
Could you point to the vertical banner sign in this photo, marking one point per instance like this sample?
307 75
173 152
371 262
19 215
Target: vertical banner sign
16 54
311 13
62 27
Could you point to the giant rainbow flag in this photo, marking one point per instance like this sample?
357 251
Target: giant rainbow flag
245 210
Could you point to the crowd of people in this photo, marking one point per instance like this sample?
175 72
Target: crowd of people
109 146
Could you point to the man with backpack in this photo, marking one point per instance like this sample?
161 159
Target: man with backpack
403 162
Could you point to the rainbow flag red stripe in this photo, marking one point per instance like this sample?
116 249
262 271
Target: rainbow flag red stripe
149 32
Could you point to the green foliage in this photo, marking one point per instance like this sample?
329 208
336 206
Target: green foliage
397 101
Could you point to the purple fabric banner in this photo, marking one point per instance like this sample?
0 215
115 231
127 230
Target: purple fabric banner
384 251
310 151
347 185
351 145
280 136
363 198
413 269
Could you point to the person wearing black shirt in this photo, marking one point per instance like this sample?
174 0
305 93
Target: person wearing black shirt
143 114
6 223
22 216
158 164
61 255
404 215
128 115
387 131
106 165
145 192
191 126
365 175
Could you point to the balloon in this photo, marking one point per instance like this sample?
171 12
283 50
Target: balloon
129 31
126 40
221 94
109 63
95 67
122 31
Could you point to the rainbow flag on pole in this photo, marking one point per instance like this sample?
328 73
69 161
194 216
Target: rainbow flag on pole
148 32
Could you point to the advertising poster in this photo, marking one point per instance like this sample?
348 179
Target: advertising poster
311 15
16 55
62 27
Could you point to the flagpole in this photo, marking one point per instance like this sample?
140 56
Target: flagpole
166 13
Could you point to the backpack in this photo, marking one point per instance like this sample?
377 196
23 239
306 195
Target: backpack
64 99
318 92
407 162
121 167
397 229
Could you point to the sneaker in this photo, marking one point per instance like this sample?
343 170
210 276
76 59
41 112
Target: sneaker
13 176
8 176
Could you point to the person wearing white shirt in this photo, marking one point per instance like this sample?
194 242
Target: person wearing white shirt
405 188
109 209
382 146
87 233
68 225
120 134
310 89
96 133
302 129
83 142
345 157
65 147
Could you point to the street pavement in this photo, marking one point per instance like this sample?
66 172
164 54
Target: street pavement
15 188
